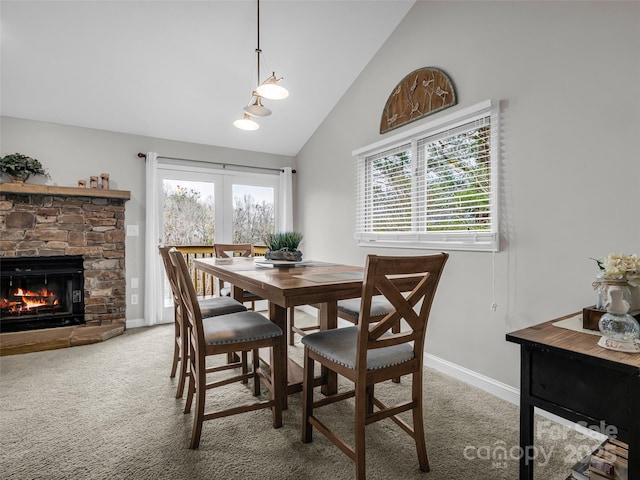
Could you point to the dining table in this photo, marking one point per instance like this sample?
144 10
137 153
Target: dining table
291 284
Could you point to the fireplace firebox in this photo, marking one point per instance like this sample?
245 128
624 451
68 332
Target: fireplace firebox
41 292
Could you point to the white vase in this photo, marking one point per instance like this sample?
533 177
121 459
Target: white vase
602 287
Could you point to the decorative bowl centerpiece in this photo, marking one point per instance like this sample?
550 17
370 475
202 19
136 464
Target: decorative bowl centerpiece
19 167
283 246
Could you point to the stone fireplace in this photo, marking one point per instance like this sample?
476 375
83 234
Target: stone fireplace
42 221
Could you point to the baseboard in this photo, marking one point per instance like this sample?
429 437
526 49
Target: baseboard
500 390
494 387
136 322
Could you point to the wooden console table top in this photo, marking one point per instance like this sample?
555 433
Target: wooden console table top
31 189
547 334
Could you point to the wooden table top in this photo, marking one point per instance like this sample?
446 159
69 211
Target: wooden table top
547 334
306 284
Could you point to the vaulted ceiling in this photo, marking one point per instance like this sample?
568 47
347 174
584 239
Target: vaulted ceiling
183 70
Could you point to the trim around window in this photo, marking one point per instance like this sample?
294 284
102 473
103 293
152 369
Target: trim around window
434 186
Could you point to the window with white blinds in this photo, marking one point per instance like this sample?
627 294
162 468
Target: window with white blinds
432 187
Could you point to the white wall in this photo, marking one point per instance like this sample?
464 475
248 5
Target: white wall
72 153
567 76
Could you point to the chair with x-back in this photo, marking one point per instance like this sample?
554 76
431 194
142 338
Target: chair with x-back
209 307
235 332
370 352
228 250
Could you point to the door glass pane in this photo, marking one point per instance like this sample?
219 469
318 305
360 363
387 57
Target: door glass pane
188 219
253 213
189 212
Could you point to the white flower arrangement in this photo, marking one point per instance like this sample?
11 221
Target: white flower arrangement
620 266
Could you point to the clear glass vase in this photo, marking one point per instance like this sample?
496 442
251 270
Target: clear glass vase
619 327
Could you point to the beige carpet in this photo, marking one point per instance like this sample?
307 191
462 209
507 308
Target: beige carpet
107 411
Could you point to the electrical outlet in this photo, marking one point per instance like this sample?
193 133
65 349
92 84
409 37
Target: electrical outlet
134 299
133 231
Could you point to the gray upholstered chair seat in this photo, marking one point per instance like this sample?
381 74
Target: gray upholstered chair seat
238 327
339 345
379 306
214 306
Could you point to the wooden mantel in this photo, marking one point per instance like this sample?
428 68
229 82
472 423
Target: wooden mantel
32 189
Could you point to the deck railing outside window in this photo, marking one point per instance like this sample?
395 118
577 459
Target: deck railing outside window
204 283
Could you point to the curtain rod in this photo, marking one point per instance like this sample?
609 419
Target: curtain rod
224 164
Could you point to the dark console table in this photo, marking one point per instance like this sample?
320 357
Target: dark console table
566 373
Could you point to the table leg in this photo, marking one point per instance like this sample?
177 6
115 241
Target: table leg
634 431
278 315
526 417
238 294
329 319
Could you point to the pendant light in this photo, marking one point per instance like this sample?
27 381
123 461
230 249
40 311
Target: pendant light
271 90
246 123
256 109
268 89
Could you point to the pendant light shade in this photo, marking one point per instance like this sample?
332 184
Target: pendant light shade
267 89
271 90
246 123
256 109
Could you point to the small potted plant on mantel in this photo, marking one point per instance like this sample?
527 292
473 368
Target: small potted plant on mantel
283 246
20 167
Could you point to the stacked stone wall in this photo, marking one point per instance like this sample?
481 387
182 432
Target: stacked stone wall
48 225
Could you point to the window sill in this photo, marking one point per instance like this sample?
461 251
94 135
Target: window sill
471 242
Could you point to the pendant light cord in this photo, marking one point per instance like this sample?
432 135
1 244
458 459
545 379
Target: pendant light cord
494 306
258 51
270 89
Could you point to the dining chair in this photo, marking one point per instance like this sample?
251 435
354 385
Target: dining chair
229 250
235 332
209 307
369 353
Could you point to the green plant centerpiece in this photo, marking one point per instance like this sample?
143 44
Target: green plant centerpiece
283 246
19 167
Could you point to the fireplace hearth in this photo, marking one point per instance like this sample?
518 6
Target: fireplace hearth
41 292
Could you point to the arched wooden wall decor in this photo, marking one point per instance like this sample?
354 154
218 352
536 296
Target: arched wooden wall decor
421 93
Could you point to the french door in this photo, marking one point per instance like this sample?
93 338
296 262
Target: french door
201 206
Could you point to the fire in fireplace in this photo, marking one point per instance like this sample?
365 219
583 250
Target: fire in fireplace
41 292
19 301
